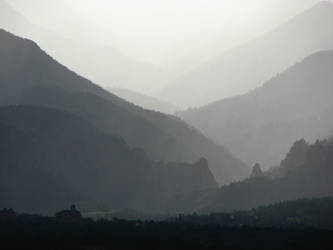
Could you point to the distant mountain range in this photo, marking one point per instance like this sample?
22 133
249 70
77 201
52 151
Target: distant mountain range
104 65
65 139
250 65
30 76
144 101
259 126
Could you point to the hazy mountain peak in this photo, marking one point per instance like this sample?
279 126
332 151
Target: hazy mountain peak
262 123
318 12
324 4
86 59
234 72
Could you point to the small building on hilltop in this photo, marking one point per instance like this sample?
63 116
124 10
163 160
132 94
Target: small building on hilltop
71 215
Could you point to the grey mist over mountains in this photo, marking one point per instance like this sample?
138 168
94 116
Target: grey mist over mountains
235 72
169 38
164 106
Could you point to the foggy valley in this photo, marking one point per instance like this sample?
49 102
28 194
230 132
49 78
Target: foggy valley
166 124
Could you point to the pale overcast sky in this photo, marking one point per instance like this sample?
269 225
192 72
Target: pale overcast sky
157 30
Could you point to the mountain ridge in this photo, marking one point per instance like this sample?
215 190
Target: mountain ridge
30 76
294 104
305 173
274 51
87 60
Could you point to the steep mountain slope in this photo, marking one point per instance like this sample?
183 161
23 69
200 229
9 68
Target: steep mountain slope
259 126
248 66
52 158
29 76
144 101
104 65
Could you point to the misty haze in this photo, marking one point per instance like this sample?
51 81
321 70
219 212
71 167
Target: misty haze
166 124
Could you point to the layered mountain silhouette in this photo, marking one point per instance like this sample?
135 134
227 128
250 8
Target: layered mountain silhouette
105 65
306 172
30 76
259 126
50 158
312 177
144 101
248 66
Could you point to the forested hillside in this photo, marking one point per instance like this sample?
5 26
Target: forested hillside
50 158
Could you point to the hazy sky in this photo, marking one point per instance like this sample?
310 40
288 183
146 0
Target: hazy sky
159 30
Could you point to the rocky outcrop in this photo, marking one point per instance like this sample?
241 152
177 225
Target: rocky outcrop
256 171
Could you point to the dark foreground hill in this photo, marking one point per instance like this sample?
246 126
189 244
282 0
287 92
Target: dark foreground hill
302 213
30 76
35 232
50 158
